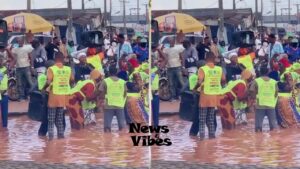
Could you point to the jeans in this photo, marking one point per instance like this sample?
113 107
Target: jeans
108 117
155 110
259 118
175 78
23 78
4 110
196 124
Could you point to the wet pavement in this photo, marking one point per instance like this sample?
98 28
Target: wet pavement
169 108
92 146
279 148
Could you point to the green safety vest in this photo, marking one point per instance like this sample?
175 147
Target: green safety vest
86 105
266 92
212 80
61 80
246 61
4 81
155 82
144 76
193 80
236 103
115 92
95 61
42 80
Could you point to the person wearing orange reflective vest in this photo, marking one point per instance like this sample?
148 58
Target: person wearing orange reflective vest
210 78
59 77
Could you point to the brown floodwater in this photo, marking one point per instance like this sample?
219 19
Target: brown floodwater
89 146
239 146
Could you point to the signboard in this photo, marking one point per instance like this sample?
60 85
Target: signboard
18 24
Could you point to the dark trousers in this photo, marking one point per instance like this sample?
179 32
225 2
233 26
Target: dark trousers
4 110
155 110
196 124
259 118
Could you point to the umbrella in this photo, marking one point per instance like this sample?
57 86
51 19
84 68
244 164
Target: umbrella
27 21
179 21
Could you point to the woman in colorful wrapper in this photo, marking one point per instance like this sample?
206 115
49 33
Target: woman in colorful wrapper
135 107
82 102
233 103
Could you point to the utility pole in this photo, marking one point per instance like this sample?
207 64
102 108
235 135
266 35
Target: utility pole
110 19
180 6
29 6
256 13
221 22
275 16
124 15
289 2
297 15
105 12
138 11
147 14
70 20
234 5
262 19
82 5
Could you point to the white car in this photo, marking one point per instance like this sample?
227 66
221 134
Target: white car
193 38
13 40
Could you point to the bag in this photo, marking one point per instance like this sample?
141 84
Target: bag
38 108
39 61
188 106
190 61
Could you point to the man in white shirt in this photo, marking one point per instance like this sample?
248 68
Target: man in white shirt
23 68
174 65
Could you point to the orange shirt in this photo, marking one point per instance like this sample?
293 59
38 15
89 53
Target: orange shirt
56 100
208 100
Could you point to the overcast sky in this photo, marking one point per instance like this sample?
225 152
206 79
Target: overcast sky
268 6
156 4
116 4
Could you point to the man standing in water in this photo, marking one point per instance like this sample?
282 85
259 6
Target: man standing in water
60 77
210 78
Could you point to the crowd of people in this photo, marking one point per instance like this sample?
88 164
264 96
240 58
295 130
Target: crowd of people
113 78
234 82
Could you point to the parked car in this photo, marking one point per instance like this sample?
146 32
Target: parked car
43 38
193 38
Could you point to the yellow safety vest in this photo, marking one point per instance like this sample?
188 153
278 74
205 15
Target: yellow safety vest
193 79
266 92
61 80
42 80
155 81
115 92
86 105
246 61
95 61
212 80
4 81
236 104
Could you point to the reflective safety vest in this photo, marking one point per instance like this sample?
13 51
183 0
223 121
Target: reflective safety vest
115 92
4 81
61 80
42 80
95 60
86 105
236 103
246 61
212 80
193 79
154 79
266 92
